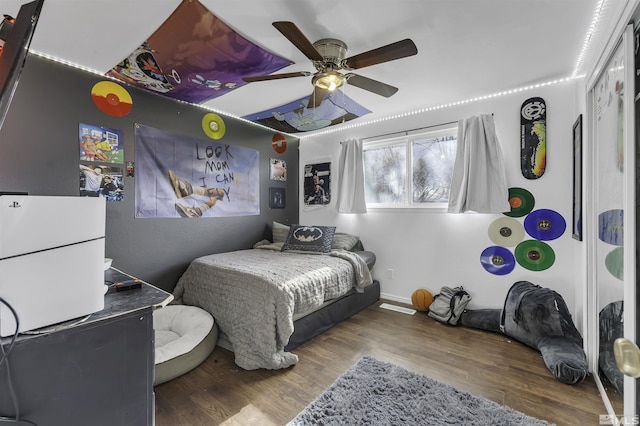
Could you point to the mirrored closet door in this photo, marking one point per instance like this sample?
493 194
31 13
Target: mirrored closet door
611 207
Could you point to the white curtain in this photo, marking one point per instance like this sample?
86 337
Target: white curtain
351 178
479 181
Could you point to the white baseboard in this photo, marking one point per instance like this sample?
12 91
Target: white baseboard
393 298
398 308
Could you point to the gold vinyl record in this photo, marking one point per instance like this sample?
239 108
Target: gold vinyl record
213 126
506 232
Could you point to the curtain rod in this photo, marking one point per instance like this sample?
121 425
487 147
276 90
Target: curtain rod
406 132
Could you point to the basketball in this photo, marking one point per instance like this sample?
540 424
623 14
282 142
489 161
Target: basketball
421 299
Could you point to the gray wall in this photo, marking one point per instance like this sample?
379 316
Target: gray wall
39 154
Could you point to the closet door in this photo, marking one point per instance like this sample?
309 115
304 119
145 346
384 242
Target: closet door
611 253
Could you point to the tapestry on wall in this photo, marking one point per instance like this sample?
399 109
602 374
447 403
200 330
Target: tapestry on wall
184 176
194 57
317 184
294 117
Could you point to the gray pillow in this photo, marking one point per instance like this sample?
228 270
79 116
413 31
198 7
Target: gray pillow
343 241
316 239
279 232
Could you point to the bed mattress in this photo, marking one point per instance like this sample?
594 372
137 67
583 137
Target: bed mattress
254 294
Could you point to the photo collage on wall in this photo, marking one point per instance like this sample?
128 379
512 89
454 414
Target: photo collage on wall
278 172
101 162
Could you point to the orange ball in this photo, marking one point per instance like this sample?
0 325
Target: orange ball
421 299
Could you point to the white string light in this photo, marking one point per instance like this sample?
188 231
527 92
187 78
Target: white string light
102 75
585 47
443 106
574 75
587 40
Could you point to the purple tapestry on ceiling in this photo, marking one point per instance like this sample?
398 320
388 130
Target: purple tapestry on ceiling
195 57
336 108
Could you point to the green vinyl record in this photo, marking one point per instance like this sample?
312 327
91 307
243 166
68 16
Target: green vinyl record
614 261
535 255
521 202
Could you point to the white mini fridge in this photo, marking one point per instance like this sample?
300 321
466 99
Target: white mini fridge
51 259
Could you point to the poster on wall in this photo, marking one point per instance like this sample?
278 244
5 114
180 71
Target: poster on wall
185 176
100 144
194 57
278 169
317 184
101 181
277 198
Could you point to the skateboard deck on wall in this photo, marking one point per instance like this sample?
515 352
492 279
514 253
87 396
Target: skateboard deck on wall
533 137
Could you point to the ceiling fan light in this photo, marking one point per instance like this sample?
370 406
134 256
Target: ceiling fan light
329 81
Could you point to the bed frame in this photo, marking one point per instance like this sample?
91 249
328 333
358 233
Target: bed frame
330 314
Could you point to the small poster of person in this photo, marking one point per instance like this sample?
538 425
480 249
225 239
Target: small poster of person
317 184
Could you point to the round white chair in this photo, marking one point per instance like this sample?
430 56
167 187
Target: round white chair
184 337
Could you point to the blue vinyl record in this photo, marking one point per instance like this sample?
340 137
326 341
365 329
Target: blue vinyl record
545 224
611 227
497 260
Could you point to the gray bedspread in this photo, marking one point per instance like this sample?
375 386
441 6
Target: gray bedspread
253 295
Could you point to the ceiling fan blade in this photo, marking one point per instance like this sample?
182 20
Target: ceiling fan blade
390 52
316 97
253 78
374 86
295 36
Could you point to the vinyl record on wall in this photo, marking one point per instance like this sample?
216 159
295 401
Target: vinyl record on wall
535 255
521 202
614 261
111 98
506 231
213 126
279 143
497 260
545 224
611 227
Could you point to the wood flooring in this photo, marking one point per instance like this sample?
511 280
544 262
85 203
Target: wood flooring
482 363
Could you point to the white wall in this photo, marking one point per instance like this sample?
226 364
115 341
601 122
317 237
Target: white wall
429 249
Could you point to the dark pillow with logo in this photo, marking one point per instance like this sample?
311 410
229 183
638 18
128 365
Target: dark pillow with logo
309 238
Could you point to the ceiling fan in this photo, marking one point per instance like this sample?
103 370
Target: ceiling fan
329 58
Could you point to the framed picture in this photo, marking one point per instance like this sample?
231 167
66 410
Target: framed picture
276 198
577 179
317 184
278 169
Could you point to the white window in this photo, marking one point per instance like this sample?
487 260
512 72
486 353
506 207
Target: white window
410 171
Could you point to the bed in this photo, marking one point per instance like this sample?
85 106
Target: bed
271 298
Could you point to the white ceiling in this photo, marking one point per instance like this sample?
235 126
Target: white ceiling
466 48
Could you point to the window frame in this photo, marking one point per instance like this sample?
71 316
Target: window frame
406 139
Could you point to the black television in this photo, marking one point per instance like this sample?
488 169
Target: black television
14 52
